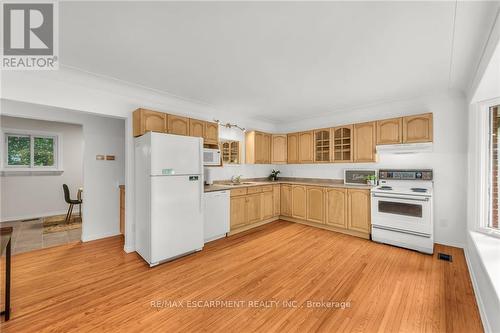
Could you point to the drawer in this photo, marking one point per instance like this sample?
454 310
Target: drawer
267 188
255 189
238 191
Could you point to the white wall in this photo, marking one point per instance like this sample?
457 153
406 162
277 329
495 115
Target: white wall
42 195
448 159
101 135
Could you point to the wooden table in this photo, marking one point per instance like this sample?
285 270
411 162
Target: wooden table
6 246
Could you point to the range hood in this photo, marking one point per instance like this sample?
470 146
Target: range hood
405 148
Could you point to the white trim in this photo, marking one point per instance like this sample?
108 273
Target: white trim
58 150
477 293
89 238
31 216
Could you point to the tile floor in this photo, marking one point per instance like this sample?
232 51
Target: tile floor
29 236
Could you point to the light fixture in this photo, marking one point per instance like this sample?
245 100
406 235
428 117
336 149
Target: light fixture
229 125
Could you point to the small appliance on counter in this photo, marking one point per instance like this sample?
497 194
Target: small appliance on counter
402 209
358 177
208 176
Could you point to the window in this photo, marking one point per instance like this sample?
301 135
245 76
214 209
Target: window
25 150
494 136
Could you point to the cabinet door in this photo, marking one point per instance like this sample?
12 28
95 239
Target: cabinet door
238 211
148 121
390 131
196 128
364 142
293 148
276 200
286 200
278 149
417 128
267 205
306 147
178 125
253 208
342 138
266 148
322 145
211 133
359 210
258 146
336 207
315 204
299 201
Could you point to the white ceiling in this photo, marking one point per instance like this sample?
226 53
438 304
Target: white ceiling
280 61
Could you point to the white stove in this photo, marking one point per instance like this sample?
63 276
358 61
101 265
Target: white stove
402 209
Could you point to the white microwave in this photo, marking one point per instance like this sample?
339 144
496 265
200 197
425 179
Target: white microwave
211 156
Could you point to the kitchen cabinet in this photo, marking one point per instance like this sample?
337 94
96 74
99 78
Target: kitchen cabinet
306 147
364 142
211 133
196 128
336 207
359 212
253 208
299 201
177 125
230 151
342 138
390 131
286 200
322 145
267 205
238 211
418 128
278 149
315 204
258 147
148 121
293 148
276 200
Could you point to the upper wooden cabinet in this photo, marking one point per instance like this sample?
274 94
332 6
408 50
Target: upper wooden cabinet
177 125
230 152
418 128
390 131
258 147
322 145
315 210
286 200
342 138
211 133
278 149
306 147
364 142
293 148
148 121
359 217
196 128
336 207
299 201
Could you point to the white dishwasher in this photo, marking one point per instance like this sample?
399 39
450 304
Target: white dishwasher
216 215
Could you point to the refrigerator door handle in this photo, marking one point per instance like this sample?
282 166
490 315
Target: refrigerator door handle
202 174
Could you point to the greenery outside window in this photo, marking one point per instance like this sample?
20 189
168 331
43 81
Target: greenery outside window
31 151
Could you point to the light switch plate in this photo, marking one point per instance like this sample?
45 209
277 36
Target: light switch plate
110 157
99 157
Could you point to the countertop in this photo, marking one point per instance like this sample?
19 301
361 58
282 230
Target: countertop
337 183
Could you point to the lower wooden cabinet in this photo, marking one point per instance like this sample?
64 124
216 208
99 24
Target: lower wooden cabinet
359 213
336 207
267 205
286 200
253 208
299 201
315 201
238 211
276 200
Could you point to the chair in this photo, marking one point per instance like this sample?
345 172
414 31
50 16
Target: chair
71 203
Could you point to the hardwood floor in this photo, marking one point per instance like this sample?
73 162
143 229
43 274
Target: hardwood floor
97 287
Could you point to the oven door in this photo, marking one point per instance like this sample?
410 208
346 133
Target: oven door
405 213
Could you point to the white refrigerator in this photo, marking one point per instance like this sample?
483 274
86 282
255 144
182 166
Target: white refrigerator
168 196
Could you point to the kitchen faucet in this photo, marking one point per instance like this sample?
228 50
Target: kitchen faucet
236 179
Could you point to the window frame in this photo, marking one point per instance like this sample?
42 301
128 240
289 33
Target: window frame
485 168
5 132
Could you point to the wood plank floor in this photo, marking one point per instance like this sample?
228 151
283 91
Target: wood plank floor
95 286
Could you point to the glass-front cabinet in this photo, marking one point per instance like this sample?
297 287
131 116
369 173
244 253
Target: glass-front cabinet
342 144
322 145
231 152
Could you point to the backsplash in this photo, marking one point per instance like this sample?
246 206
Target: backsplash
245 170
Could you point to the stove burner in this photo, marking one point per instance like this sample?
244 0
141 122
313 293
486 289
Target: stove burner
419 190
385 188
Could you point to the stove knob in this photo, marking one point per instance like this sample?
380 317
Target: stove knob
418 175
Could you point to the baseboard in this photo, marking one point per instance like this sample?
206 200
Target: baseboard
327 227
32 216
88 238
452 244
128 249
475 286
251 226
